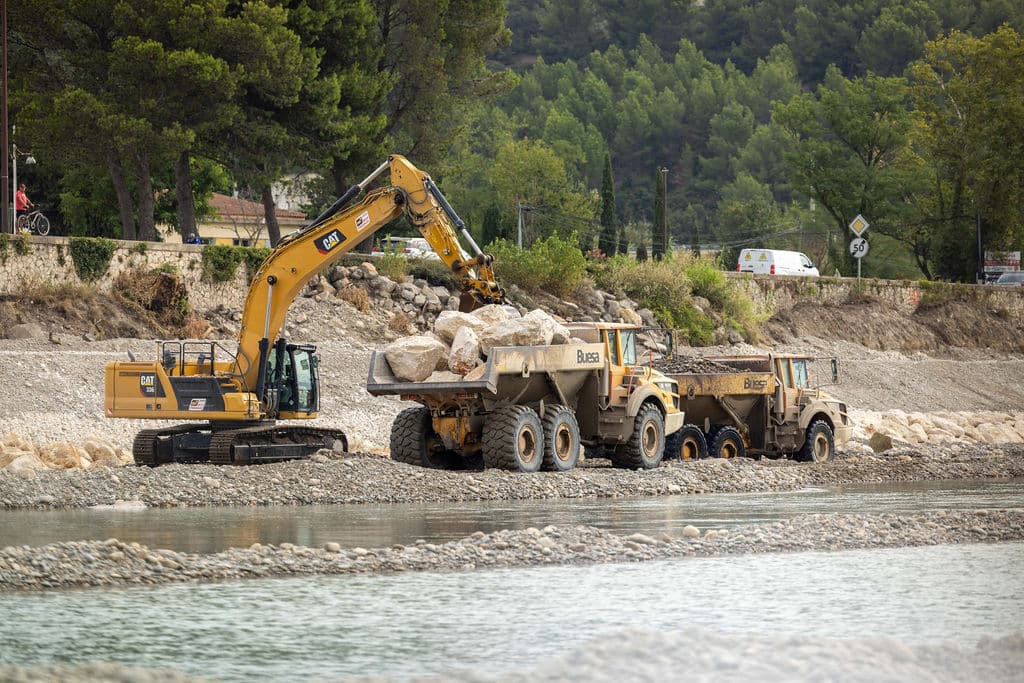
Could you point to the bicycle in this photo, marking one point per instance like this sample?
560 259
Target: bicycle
34 221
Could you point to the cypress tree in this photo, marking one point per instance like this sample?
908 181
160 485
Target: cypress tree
608 241
657 245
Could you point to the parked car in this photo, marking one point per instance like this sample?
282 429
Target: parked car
1013 278
775 262
410 247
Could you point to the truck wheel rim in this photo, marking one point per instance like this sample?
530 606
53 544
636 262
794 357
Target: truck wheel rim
729 449
563 443
690 449
527 444
651 436
821 449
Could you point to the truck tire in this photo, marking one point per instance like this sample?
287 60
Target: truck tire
414 442
820 445
726 442
513 439
646 445
689 443
561 439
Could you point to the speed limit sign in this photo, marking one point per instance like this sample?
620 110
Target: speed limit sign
858 247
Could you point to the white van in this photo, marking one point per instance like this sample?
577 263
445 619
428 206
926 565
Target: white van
775 262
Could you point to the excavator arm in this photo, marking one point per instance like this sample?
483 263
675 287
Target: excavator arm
302 254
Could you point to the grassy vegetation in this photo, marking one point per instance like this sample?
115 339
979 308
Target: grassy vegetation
668 288
556 266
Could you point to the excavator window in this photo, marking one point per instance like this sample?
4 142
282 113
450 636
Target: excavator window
297 384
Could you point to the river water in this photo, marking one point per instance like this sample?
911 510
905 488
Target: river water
489 622
207 530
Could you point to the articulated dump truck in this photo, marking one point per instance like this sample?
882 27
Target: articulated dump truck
756 405
532 407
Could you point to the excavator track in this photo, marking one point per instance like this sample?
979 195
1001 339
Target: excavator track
151 449
271 443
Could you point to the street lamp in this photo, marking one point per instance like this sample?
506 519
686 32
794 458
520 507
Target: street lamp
29 160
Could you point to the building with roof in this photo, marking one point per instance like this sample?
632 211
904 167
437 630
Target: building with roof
240 222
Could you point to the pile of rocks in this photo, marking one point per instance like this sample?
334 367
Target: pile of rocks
19 455
882 430
460 342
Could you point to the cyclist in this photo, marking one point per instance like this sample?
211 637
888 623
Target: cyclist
21 203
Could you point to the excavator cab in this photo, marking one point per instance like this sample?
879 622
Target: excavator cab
294 387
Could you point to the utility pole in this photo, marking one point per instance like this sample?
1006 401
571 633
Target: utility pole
5 197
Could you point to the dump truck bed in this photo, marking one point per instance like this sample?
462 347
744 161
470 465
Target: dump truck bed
701 376
508 369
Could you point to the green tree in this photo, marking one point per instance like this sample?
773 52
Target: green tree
969 93
608 242
658 246
529 173
846 148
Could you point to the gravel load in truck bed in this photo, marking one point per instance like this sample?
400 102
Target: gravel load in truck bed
681 365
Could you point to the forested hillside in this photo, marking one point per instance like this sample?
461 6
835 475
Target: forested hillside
753 123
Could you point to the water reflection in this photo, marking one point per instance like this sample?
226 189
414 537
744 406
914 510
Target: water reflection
214 529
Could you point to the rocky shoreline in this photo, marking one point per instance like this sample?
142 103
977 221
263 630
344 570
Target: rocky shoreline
115 563
332 478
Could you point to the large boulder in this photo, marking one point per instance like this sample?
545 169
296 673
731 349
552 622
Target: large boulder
536 328
448 324
26 331
559 333
465 352
412 359
492 314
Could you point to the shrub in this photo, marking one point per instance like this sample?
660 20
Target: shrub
436 272
254 258
392 266
21 244
91 256
667 287
356 296
554 265
220 262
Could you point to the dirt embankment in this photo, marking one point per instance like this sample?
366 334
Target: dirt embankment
950 329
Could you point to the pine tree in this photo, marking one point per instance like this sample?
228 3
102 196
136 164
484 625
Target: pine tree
608 242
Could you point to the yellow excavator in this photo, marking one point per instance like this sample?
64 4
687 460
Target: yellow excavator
234 399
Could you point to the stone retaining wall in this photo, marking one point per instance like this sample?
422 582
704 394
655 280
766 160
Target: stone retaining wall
49 262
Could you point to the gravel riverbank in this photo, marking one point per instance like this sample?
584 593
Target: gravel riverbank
112 562
360 478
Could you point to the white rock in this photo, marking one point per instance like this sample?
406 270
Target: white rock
448 324
412 359
492 314
443 376
465 351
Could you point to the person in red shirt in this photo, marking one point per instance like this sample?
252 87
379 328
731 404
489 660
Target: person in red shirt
21 202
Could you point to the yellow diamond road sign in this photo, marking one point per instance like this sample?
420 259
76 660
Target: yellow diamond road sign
858 225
